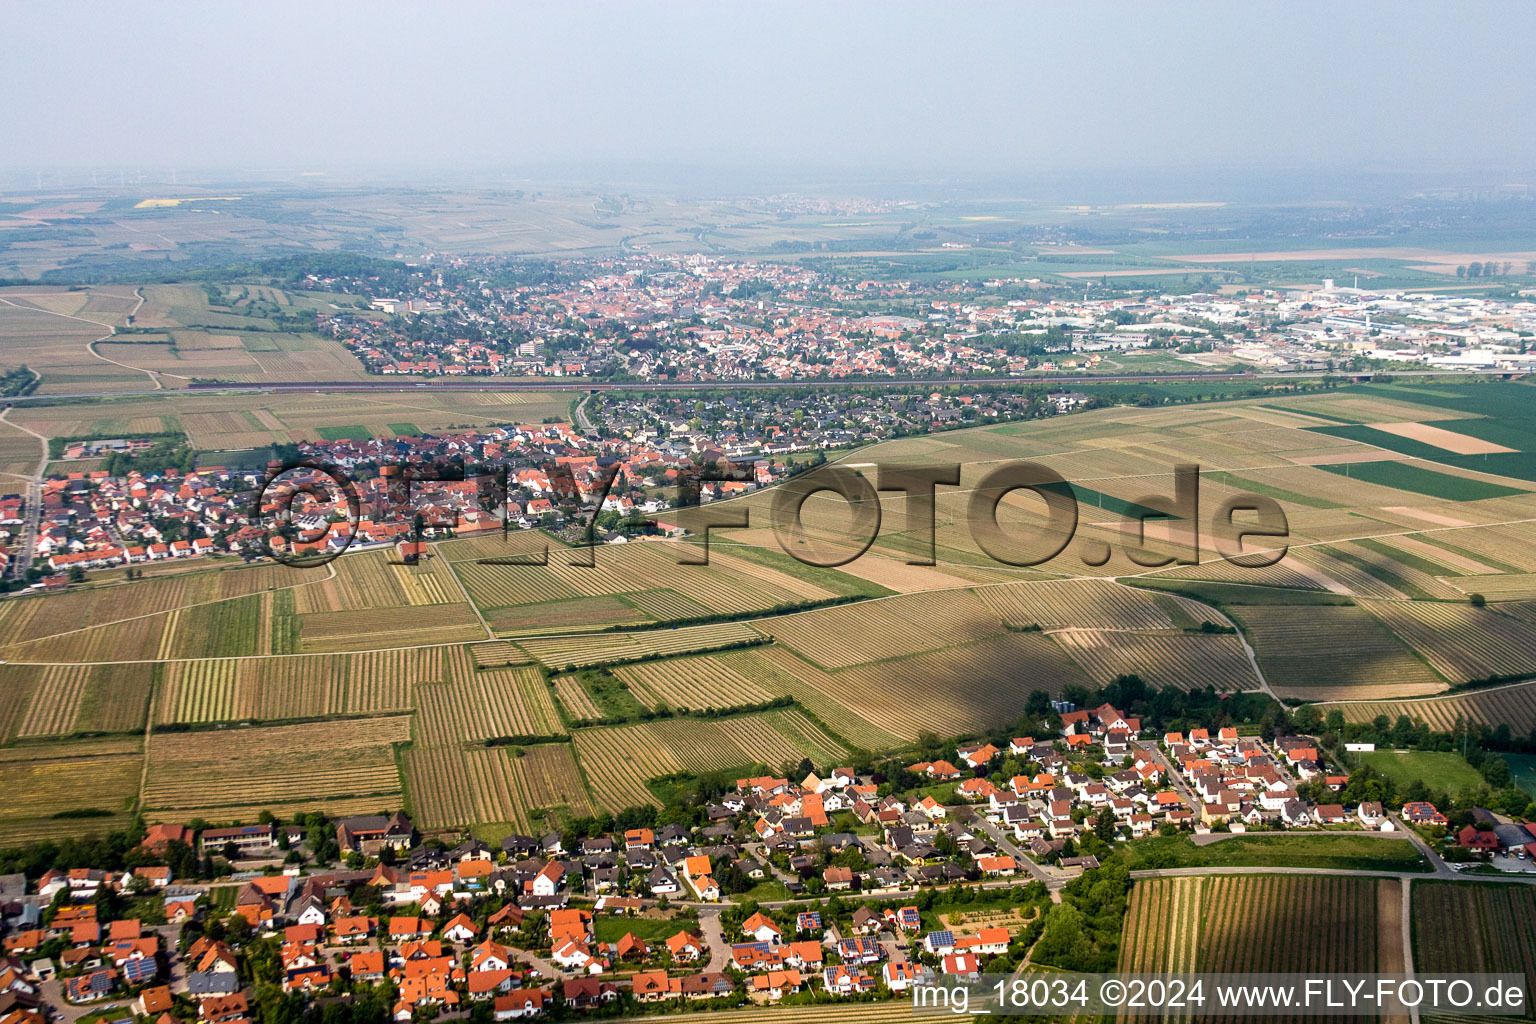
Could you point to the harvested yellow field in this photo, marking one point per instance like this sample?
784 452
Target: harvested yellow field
311 762
389 627
32 791
854 634
1449 440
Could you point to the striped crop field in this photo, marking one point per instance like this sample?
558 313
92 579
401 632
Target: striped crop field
666 604
370 629
444 790
89 746
1253 922
497 653
619 759
891 1011
1461 927
382 680
248 768
649 570
198 691
577 701
1162 926
569 615
300 686
546 776
1284 573
487 704
272 689
429 582
84 698
1325 652
854 634
370 579
34 618
1182 660
958 690
690 683
229 629
1513 705
141 639
581 651
1460 641
782 672
1264 923
1511 587
522 786
1084 604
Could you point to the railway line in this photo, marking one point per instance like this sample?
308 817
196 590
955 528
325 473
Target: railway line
481 384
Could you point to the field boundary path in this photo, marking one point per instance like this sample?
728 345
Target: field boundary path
90 346
1406 884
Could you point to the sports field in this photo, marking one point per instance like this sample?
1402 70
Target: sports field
1447 772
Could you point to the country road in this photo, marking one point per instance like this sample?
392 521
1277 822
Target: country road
1052 877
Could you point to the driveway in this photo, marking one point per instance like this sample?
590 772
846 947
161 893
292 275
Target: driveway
544 967
714 935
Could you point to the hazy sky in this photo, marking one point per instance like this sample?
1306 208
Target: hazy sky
939 88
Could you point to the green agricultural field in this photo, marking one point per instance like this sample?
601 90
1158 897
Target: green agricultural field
1351 851
1502 400
356 432
1439 769
1408 477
